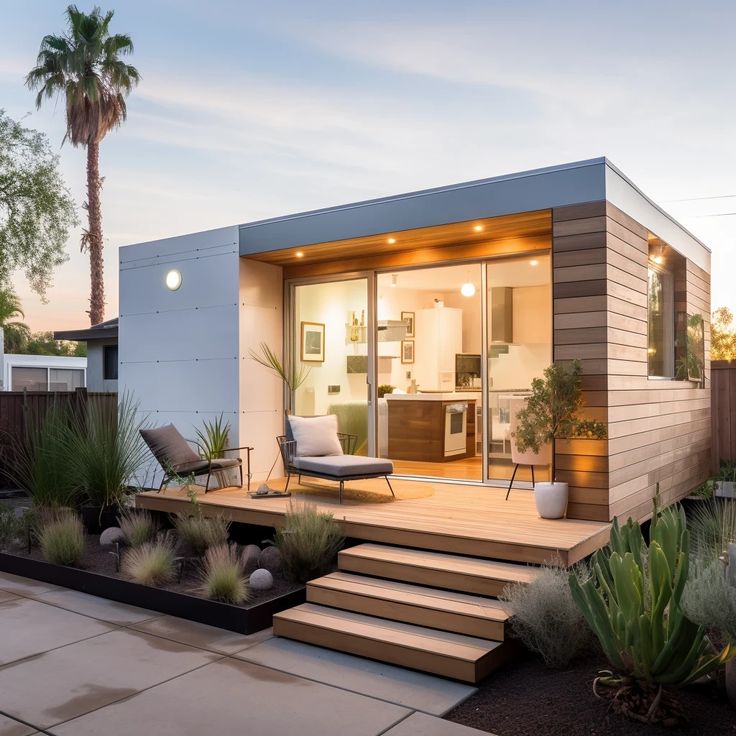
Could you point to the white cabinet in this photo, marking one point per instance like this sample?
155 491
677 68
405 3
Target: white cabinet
439 337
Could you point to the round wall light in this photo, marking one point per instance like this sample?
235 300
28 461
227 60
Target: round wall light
468 289
173 279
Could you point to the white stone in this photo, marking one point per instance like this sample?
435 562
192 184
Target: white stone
261 580
111 535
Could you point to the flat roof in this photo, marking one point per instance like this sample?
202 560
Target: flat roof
545 188
103 331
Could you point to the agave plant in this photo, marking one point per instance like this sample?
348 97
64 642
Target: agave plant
633 604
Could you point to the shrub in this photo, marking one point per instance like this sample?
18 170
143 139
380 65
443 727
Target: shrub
709 599
201 532
61 537
152 563
138 527
633 603
713 528
107 450
11 527
223 575
41 460
308 542
546 618
214 438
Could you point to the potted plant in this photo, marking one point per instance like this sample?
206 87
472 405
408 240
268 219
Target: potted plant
551 413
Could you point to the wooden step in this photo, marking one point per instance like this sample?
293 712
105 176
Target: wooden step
442 653
434 569
437 609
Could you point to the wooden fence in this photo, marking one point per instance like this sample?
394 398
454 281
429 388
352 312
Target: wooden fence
17 408
723 411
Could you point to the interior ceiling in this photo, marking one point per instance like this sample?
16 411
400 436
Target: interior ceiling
512 272
523 225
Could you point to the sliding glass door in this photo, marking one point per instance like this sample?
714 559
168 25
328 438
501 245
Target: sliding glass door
330 341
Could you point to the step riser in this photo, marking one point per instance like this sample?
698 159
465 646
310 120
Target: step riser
442 620
422 576
384 652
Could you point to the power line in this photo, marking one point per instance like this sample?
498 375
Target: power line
716 214
700 199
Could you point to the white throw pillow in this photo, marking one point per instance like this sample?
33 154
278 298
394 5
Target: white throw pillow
315 436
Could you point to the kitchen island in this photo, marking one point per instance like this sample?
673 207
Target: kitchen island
431 427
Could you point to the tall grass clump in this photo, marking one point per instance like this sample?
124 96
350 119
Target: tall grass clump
546 618
40 460
11 527
223 575
712 528
214 438
152 563
309 542
107 450
200 533
138 526
61 538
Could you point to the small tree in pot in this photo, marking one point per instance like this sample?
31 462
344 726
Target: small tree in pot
551 413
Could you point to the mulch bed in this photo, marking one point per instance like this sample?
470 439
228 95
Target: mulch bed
528 699
99 559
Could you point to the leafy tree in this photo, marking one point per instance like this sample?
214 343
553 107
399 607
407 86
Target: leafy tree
722 335
85 65
36 209
43 343
17 333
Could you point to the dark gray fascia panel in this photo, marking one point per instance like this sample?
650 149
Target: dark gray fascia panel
540 189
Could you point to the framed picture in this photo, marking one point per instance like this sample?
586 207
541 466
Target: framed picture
407 351
408 317
313 342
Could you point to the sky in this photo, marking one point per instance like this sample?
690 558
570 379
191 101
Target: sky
249 110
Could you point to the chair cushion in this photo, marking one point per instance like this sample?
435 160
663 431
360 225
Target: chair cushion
315 436
169 447
344 466
219 463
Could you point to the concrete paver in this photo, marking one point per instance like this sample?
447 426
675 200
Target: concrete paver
411 689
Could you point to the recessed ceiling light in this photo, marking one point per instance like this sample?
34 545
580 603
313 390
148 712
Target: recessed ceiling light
468 289
478 228
659 260
391 241
299 254
534 262
173 279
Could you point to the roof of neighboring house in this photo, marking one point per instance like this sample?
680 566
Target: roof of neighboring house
107 330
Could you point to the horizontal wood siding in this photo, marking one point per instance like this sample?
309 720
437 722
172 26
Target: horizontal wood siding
723 377
659 431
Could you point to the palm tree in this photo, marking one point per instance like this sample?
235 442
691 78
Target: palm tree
17 333
85 66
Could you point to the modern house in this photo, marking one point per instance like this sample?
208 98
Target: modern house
465 292
41 372
102 353
423 319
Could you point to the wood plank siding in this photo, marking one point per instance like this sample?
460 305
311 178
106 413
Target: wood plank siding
658 430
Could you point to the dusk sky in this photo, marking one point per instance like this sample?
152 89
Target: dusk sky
248 110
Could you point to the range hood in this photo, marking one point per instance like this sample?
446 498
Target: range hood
502 315
391 330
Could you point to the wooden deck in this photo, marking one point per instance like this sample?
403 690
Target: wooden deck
458 519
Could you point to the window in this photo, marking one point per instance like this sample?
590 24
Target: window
65 379
110 362
28 379
661 317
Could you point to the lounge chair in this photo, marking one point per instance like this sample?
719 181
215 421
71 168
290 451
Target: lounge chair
313 447
178 459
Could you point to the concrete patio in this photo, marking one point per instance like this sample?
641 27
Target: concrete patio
74 664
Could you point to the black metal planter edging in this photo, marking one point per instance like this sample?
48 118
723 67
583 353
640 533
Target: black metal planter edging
214 613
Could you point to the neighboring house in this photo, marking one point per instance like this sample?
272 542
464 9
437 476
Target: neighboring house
42 373
466 291
102 353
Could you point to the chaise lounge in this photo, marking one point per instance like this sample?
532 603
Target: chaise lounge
313 447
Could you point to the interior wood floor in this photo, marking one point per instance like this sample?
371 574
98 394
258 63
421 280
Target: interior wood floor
455 518
467 469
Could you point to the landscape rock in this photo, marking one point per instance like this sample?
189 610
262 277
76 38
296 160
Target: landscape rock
270 560
251 555
111 535
261 580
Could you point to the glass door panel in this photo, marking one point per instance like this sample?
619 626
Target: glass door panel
331 340
519 348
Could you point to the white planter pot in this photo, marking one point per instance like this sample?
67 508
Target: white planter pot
725 489
551 500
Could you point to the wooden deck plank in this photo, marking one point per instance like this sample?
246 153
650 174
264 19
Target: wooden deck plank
456 518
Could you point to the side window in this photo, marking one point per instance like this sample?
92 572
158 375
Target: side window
110 362
661 323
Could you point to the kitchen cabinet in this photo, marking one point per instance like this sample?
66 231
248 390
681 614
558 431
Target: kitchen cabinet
439 337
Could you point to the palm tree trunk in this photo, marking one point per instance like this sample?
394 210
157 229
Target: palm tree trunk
94 238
